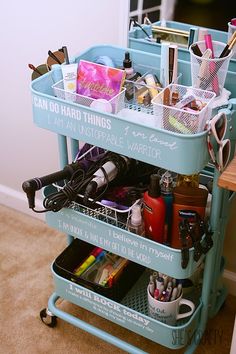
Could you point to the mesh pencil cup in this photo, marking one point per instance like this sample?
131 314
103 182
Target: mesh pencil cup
207 73
171 110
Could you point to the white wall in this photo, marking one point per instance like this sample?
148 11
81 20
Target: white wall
28 30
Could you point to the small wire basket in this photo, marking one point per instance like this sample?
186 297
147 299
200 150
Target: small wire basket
209 73
173 115
113 105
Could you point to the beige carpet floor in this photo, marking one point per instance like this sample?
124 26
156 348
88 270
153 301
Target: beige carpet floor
27 248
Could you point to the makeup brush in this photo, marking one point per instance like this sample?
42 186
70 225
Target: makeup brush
54 57
229 46
32 67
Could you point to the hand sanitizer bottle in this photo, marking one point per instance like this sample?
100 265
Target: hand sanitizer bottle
136 223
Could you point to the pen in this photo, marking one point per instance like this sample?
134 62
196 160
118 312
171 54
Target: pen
89 260
168 292
159 282
161 292
151 285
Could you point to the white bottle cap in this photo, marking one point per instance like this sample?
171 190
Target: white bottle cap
136 216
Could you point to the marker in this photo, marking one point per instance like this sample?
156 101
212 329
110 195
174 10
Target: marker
168 291
174 282
156 294
179 290
174 294
87 263
151 285
165 278
160 292
159 283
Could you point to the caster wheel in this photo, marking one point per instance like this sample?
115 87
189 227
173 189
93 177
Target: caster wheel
48 318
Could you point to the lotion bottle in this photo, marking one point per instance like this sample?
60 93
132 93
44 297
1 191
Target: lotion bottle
136 223
154 210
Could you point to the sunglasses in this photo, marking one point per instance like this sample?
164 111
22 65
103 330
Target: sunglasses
57 57
217 128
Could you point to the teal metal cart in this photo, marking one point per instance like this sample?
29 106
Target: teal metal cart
180 153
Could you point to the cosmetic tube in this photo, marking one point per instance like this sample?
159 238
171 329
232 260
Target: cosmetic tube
69 73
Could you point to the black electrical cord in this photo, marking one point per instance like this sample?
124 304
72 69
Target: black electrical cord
140 26
77 183
56 201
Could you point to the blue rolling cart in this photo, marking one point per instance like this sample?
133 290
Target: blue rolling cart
70 122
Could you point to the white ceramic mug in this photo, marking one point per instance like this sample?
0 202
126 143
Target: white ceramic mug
168 312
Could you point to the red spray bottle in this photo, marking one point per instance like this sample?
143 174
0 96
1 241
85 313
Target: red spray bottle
154 211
